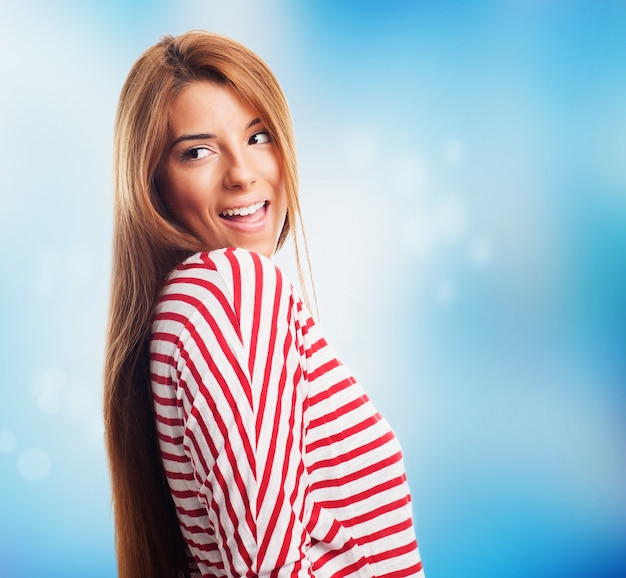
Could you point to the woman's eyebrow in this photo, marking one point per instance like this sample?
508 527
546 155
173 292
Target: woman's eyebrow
207 135
201 136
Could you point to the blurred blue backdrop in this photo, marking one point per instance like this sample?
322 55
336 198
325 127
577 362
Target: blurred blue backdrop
463 171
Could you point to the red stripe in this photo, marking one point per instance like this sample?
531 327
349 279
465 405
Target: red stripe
377 512
346 571
364 495
386 532
323 369
236 271
164 401
195 529
331 391
315 347
185 495
174 458
404 573
191 513
172 422
265 479
206 263
339 413
178 476
256 314
177 440
342 459
289 534
344 435
395 552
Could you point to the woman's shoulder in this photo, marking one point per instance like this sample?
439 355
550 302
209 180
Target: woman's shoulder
229 264
228 275
232 288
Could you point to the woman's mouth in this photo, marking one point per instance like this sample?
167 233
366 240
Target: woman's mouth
243 211
249 219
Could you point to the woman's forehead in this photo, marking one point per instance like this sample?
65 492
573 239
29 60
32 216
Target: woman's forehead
207 101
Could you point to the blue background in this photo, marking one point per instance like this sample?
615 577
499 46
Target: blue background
463 171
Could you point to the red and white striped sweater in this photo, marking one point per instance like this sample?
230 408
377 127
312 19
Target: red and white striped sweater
277 461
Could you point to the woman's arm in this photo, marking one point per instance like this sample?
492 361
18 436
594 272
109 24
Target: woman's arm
226 324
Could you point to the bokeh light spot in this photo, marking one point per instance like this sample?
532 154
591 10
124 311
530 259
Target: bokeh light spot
34 464
49 396
84 405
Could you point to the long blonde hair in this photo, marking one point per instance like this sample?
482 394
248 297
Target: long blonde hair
148 243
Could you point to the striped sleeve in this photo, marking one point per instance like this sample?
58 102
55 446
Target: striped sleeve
229 400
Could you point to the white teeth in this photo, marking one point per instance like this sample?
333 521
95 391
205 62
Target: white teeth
243 211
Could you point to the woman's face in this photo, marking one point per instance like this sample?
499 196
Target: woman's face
221 174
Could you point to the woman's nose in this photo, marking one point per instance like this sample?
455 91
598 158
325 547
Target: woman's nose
239 173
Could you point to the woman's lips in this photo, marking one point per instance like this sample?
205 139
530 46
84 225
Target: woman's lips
248 219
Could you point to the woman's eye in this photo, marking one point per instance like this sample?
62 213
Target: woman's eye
262 137
196 153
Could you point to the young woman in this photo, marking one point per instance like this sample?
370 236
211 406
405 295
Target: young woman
238 443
